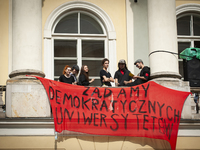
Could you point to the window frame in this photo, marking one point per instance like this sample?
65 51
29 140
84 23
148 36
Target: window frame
79 57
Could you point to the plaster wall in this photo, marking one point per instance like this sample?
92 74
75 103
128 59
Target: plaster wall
4 39
141 37
181 2
87 143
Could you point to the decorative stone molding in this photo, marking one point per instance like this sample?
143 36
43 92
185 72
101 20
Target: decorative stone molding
187 7
166 75
23 72
80 5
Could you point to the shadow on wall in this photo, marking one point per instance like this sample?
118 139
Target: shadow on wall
115 142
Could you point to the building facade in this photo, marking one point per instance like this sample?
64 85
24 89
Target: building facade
39 37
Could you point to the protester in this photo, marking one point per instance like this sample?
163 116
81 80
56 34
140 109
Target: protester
74 73
122 74
66 77
143 76
105 76
196 100
84 76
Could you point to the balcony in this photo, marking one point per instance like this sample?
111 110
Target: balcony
31 116
30 99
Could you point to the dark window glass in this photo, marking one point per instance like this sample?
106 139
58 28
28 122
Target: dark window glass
183 25
68 24
60 64
89 26
56 78
93 49
196 25
63 48
94 66
197 44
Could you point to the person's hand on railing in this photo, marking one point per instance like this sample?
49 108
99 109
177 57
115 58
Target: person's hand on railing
92 80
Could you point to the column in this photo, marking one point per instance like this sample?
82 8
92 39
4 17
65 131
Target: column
27 34
163 36
26 96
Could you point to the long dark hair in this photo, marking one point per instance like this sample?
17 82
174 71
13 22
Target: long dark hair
86 74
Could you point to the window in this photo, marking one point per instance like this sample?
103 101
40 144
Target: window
79 38
67 28
188 29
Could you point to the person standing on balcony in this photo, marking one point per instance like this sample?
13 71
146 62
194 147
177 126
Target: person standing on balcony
66 77
143 76
196 100
74 73
84 76
122 74
105 76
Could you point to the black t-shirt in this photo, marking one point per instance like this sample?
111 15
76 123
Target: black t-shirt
64 79
107 74
121 78
74 76
145 72
82 80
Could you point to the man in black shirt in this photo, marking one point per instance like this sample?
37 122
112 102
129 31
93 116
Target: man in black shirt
143 76
105 76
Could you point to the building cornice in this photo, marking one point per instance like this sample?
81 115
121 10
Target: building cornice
45 127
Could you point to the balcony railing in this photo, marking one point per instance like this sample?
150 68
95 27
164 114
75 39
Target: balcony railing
2 103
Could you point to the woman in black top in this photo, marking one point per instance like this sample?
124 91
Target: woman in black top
104 74
66 77
84 76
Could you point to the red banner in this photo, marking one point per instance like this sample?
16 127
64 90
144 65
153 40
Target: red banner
147 110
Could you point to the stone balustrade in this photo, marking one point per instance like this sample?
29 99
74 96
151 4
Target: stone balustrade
2 104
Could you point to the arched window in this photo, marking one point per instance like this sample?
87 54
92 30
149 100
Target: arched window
78 33
188 30
79 38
